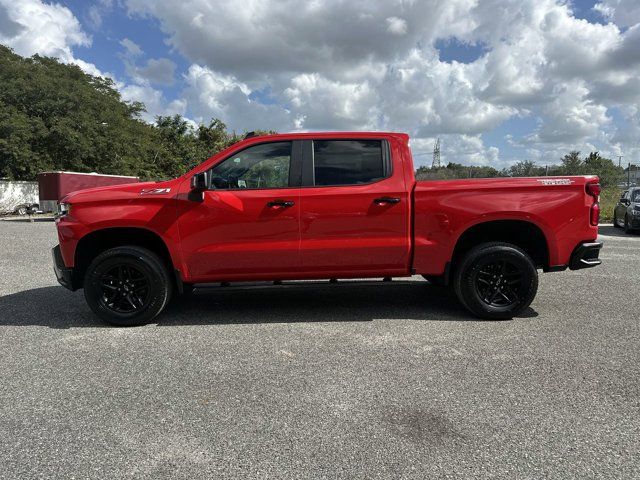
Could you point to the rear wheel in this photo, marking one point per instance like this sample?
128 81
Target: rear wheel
496 280
127 286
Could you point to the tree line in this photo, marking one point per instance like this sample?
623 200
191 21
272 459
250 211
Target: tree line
54 116
571 164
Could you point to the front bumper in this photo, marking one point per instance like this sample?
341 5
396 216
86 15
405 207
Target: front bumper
585 256
63 274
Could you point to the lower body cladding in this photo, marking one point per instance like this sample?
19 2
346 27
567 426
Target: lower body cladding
63 274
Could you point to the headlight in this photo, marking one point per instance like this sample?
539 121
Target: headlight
64 209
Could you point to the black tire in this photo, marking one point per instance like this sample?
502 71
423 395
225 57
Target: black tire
496 281
615 220
627 227
127 286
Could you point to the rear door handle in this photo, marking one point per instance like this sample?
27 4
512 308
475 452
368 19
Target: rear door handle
281 203
390 200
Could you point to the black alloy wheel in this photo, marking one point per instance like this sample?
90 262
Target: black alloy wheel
125 289
499 283
127 286
495 280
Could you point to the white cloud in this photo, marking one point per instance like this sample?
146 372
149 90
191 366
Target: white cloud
132 49
396 25
30 26
154 101
465 149
160 71
97 11
357 64
210 94
623 12
338 64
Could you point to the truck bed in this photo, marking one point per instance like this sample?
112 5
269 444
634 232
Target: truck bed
444 209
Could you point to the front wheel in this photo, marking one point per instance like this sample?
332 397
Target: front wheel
615 220
127 286
496 280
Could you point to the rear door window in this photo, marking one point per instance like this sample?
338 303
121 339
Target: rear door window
348 162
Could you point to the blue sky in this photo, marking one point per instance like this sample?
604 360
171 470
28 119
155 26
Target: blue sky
498 81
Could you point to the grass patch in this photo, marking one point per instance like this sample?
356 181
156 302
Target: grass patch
608 199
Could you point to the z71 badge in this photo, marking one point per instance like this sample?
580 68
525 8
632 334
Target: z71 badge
154 191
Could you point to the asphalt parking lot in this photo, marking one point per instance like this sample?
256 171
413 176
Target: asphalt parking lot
313 381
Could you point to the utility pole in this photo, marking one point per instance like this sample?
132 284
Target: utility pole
629 175
436 154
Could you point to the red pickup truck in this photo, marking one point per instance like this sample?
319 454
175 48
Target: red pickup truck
322 206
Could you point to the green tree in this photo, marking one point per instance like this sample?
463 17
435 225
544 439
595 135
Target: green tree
525 168
610 174
572 164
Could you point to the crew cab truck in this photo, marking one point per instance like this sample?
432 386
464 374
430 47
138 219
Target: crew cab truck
322 206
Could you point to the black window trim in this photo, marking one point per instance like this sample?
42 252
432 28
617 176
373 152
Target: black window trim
295 166
308 165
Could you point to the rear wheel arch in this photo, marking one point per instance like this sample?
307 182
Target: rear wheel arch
523 234
98 241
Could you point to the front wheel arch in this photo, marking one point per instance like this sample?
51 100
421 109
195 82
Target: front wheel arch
98 241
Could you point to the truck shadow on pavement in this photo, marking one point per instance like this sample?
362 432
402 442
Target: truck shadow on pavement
289 303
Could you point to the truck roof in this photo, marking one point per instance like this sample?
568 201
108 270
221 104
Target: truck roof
369 134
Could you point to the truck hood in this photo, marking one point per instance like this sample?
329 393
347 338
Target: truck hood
125 191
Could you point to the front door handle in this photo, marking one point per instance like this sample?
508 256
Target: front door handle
390 200
281 203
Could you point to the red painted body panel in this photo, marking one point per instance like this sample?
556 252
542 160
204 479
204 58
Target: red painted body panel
444 210
343 229
234 233
330 231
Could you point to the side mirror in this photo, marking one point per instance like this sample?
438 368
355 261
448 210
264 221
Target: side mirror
200 182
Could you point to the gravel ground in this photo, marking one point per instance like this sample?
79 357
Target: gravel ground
311 381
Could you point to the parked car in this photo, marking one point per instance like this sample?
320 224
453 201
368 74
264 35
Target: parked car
322 206
27 209
626 213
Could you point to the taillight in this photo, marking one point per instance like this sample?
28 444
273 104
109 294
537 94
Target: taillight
595 214
593 189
